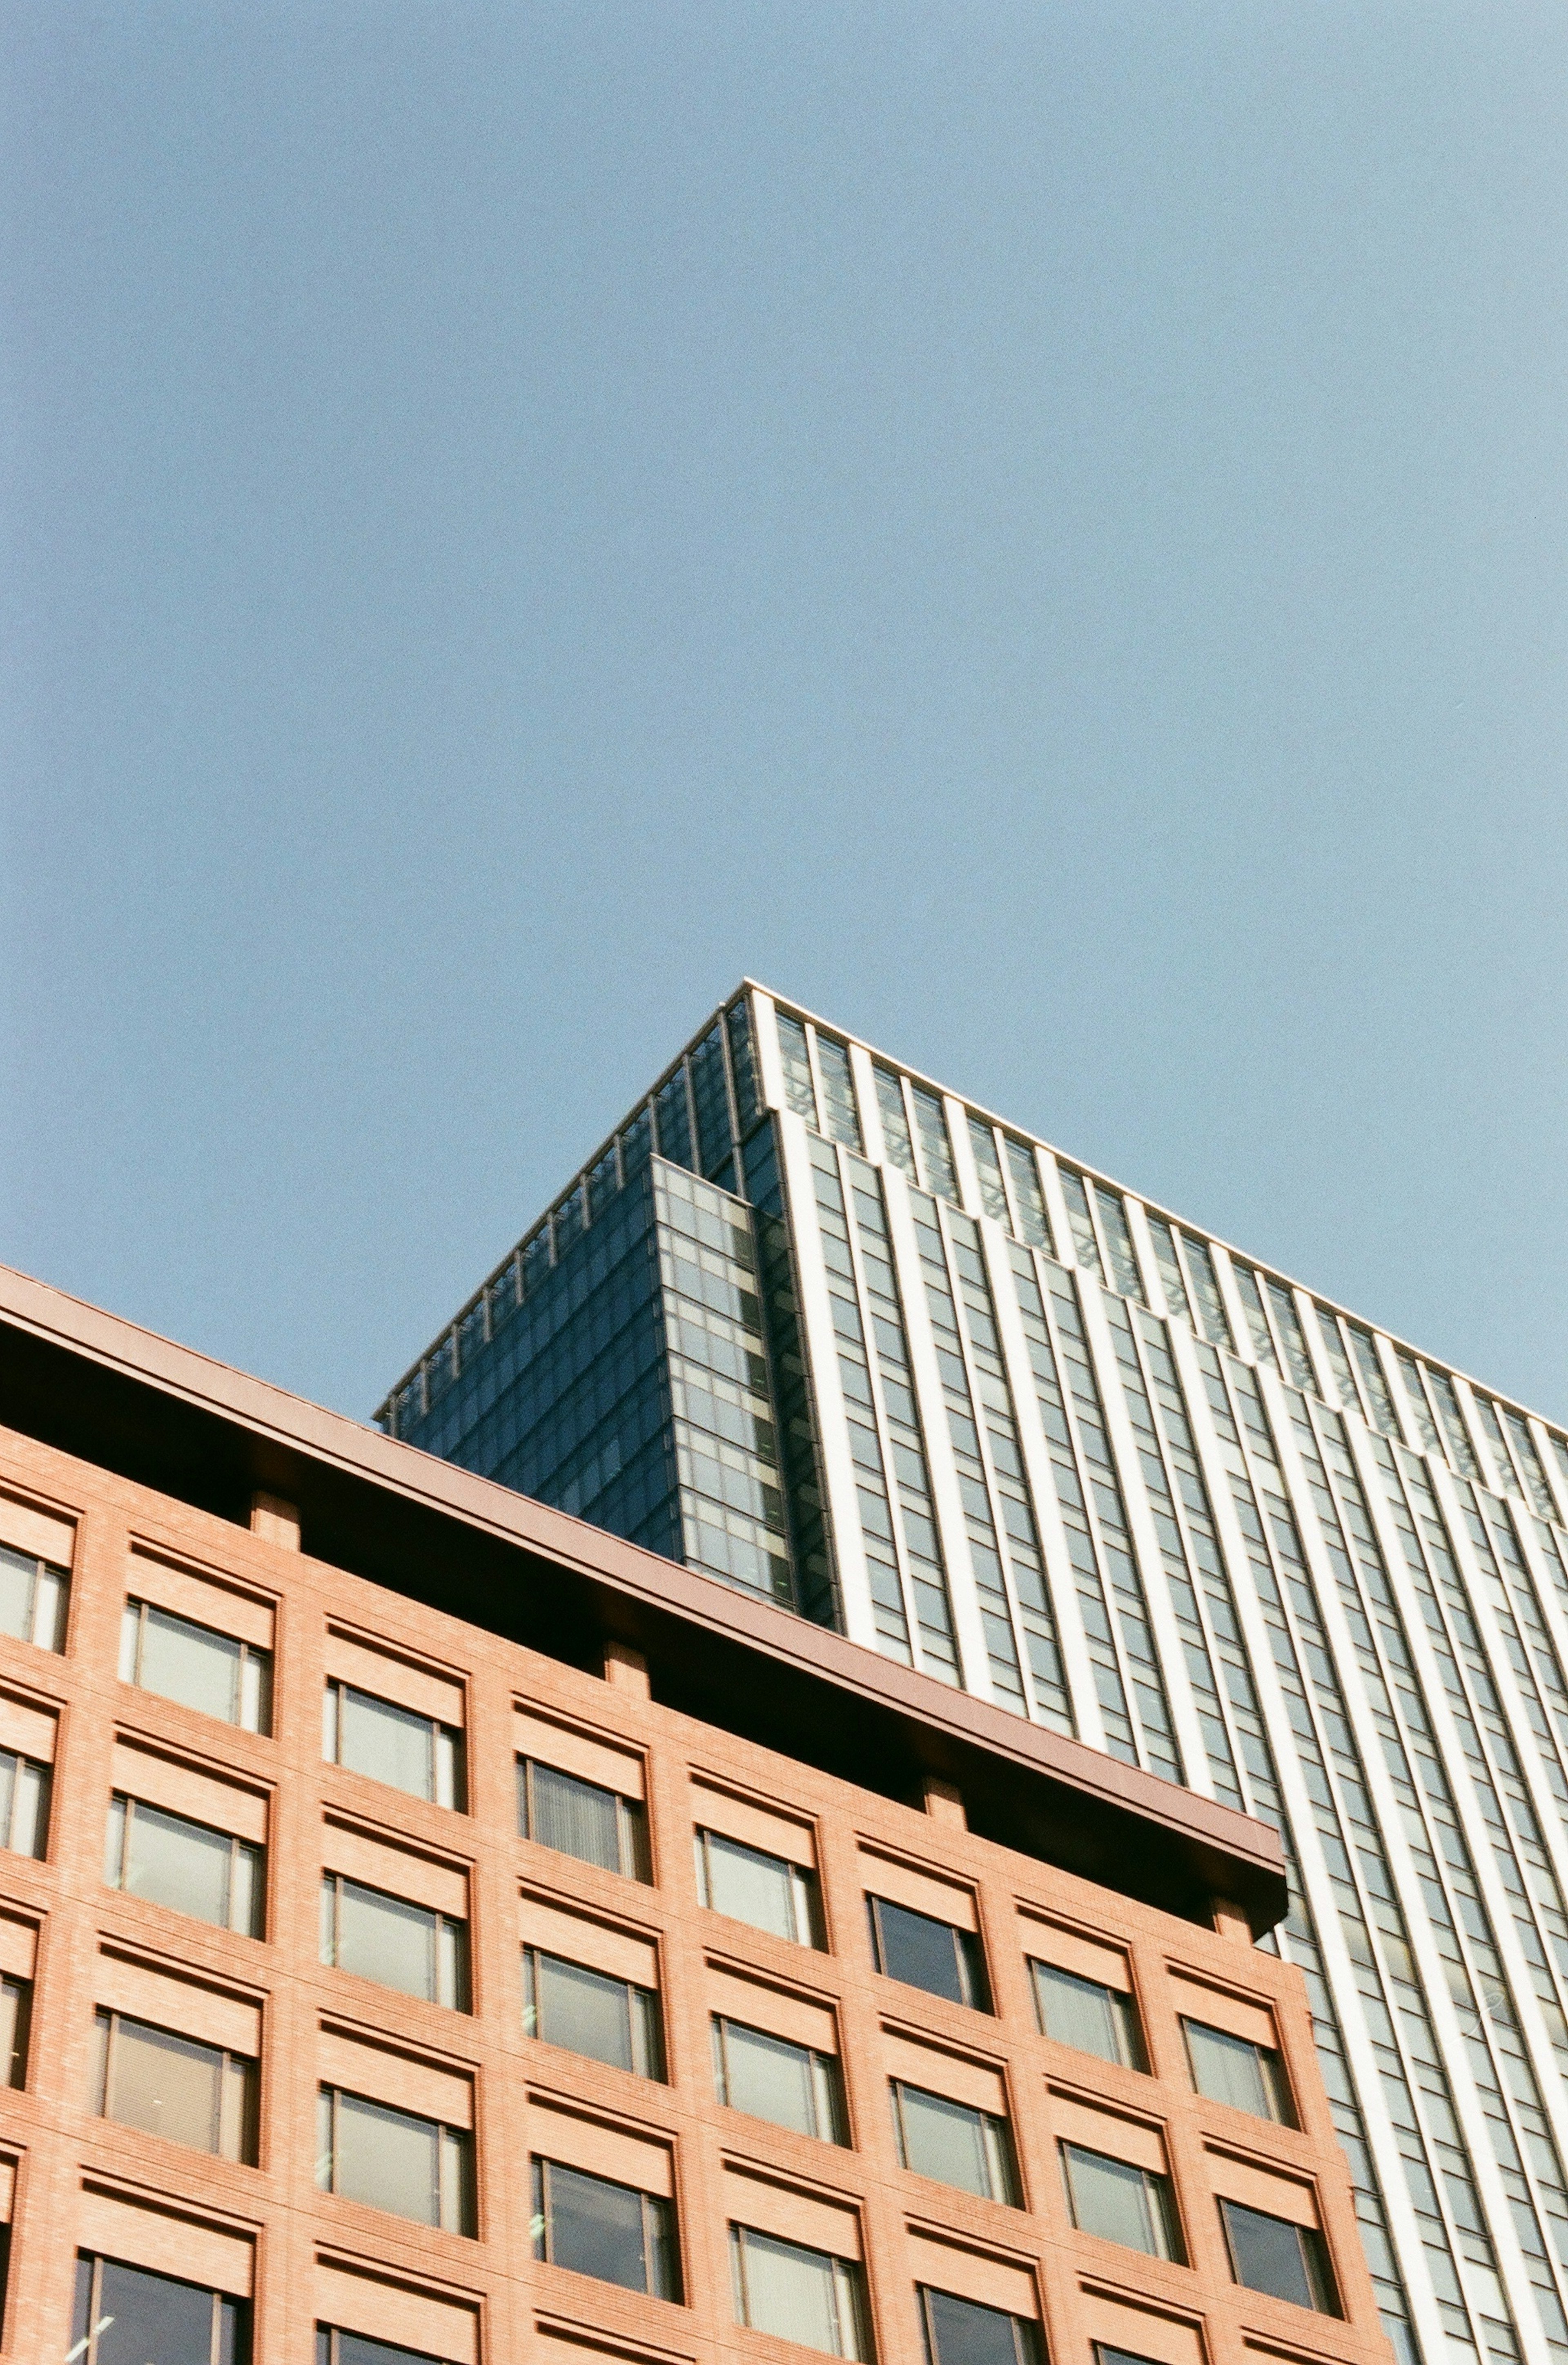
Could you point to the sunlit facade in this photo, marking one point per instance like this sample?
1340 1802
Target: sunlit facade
813 1324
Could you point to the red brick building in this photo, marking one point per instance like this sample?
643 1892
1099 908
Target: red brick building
428 1924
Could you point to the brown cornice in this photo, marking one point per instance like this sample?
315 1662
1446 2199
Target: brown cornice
123 1399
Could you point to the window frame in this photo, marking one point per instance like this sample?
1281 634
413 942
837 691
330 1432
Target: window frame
803 1889
661 2246
448 1769
1026 2344
969 1957
1159 2192
456 2182
13 1984
32 1796
249 1692
997 2148
49 1599
123 1806
237 2117
847 2283
644 2016
450 1958
1125 2019
1270 2061
87 2310
825 2081
632 1850
1316 2266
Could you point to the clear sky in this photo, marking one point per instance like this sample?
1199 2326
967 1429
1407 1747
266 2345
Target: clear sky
1040 530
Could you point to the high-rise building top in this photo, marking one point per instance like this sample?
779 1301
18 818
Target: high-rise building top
813 1324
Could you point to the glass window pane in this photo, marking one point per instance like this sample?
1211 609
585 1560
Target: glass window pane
1268 2254
789 2291
750 1886
354 2348
944 2140
918 1949
389 1744
578 1818
151 2319
18 1575
1116 2201
768 2078
1230 2069
15 2014
1081 2012
179 1864
387 2158
596 2227
962 2332
583 2010
166 2084
383 1938
190 1664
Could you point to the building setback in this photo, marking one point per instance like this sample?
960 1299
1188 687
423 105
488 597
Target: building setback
433 1929
814 1324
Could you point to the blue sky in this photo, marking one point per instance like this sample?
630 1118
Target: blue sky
1040 530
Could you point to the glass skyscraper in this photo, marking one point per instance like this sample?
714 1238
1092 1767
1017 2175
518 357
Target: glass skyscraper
822 1330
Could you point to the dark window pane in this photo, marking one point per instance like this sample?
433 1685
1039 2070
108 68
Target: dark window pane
596 2227
962 2332
354 2348
925 1953
1270 2254
145 2319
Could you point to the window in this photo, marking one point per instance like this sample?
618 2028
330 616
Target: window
1105 2354
189 1866
749 1885
1120 2202
588 2012
931 1123
1087 2016
16 2020
1271 2254
962 2332
582 1818
610 2231
33 1597
166 2085
392 1744
807 2296
895 1123
24 1804
395 2160
334 2347
1234 2069
196 1666
768 2078
126 2316
954 2144
925 1953
381 1937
